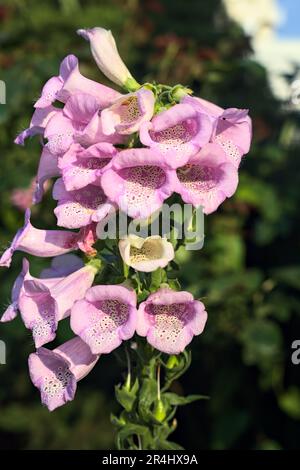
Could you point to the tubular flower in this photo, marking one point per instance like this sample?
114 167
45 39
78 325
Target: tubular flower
80 207
106 55
126 115
60 266
44 302
105 317
138 182
146 254
56 373
53 86
80 166
207 179
232 127
177 133
37 242
170 319
78 121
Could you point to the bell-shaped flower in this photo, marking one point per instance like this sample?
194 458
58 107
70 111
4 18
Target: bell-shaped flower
81 166
106 55
170 319
79 121
44 302
207 179
37 242
53 86
105 317
138 182
76 83
126 115
80 207
232 127
61 266
146 254
177 133
56 373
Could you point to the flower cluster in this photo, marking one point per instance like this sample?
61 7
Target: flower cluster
110 151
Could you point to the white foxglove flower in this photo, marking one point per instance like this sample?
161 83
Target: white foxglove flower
146 254
106 55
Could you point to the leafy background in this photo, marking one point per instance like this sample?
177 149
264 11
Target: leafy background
248 272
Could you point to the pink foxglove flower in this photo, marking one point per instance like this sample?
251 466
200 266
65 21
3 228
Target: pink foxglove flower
61 266
126 115
232 127
105 317
37 242
53 86
146 254
56 373
79 121
177 133
80 207
106 55
44 302
138 182
170 319
81 166
207 179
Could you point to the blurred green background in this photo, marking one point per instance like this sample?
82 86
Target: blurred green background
248 272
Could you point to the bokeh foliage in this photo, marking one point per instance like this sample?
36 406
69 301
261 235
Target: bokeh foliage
247 274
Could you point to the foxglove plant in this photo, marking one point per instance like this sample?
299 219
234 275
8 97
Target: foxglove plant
114 153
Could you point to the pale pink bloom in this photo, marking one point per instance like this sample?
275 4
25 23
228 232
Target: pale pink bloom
170 319
146 254
105 317
81 166
106 55
79 121
127 114
61 266
207 179
177 133
53 86
37 242
76 83
232 127
138 182
56 373
80 207
44 302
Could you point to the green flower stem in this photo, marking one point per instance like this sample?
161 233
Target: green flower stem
147 416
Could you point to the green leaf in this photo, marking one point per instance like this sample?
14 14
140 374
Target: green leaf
126 397
174 399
